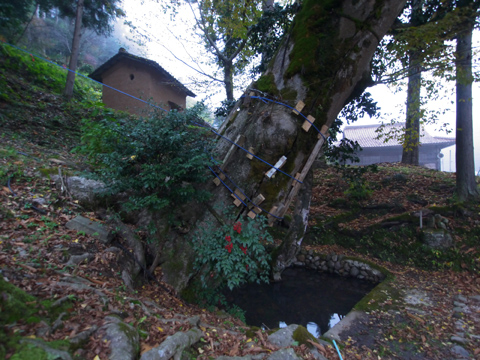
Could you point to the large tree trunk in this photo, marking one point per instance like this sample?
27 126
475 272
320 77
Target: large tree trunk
228 79
321 62
410 154
466 186
72 66
327 54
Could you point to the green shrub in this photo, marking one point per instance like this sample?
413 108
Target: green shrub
232 254
157 161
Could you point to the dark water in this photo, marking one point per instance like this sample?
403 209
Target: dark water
309 298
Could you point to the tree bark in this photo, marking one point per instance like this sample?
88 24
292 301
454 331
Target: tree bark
72 66
228 79
465 185
410 154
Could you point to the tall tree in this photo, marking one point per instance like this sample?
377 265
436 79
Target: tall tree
466 185
72 66
94 14
410 153
225 28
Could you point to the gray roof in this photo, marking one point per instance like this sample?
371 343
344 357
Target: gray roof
122 55
367 136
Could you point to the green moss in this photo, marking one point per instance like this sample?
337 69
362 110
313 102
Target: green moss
266 84
301 335
379 295
30 352
15 303
252 332
54 311
288 94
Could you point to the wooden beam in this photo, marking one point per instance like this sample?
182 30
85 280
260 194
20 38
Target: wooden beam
217 181
240 140
313 155
271 218
238 198
308 124
299 107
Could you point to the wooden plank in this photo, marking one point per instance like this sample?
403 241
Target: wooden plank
278 165
313 155
217 181
271 218
308 124
252 215
238 138
241 140
297 176
238 194
257 201
324 131
299 107
250 149
238 198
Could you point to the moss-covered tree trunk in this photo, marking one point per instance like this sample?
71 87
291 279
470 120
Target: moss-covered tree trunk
322 61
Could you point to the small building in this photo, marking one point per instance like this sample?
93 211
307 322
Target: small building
376 150
141 78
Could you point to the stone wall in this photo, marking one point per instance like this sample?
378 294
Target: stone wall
338 264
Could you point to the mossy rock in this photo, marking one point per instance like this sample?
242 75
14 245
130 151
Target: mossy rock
301 335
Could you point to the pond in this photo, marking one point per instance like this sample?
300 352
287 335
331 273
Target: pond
315 300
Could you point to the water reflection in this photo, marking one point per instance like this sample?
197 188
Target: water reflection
315 300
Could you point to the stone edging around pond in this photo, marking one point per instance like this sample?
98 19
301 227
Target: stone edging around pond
338 264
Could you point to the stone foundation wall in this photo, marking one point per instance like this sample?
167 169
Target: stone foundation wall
338 264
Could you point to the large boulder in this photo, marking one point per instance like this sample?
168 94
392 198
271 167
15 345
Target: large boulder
86 191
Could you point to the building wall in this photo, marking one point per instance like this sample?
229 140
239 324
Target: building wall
140 81
427 157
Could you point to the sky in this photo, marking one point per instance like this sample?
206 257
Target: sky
170 41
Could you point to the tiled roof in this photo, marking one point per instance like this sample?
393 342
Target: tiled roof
367 136
122 54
